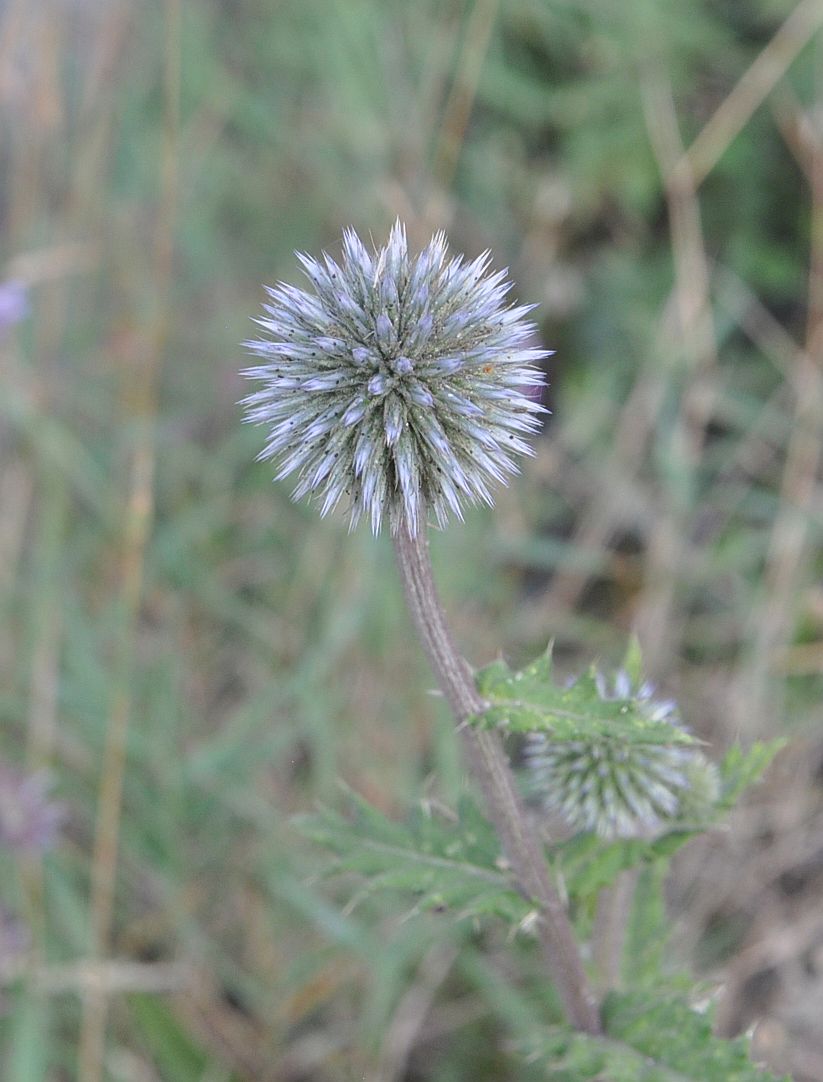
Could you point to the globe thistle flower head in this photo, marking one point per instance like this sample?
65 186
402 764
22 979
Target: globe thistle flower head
397 384
621 789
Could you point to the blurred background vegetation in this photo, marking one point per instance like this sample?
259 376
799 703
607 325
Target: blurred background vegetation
194 658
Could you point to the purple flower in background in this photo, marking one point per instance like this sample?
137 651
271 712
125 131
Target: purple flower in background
29 820
14 304
400 384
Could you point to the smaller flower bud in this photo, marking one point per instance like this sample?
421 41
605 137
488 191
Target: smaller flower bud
619 788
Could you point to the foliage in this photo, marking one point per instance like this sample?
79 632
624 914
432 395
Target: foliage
444 860
648 1038
611 759
452 861
530 700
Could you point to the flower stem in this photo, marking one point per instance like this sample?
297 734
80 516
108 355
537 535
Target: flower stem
490 767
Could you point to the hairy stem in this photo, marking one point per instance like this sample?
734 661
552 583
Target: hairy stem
490 767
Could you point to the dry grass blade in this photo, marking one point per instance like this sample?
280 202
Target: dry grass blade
140 401
695 345
464 89
753 87
412 1011
789 550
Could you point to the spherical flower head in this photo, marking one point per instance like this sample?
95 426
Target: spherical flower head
618 789
399 384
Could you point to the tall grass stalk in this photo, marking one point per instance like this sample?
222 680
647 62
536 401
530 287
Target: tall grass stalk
140 400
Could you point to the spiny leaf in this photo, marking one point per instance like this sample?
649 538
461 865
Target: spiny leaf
633 661
443 860
648 1038
669 1031
606 755
530 701
588 863
648 930
740 769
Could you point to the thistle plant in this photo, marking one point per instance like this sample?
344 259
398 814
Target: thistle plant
402 386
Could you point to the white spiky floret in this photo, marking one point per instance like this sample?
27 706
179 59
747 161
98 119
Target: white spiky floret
398 385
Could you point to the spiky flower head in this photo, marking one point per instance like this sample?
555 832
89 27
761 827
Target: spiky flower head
398 384
621 789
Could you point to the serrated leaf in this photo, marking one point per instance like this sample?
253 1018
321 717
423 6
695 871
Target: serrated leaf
531 701
633 661
589 863
648 1037
648 930
679 1038
171 1048
740 769
443 862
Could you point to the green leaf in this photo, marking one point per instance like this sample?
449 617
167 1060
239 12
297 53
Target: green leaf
611 758
671 1033
648 1037
633 661
172 1049
30 1041
587 863
531 701
444 860
648 930
740 769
